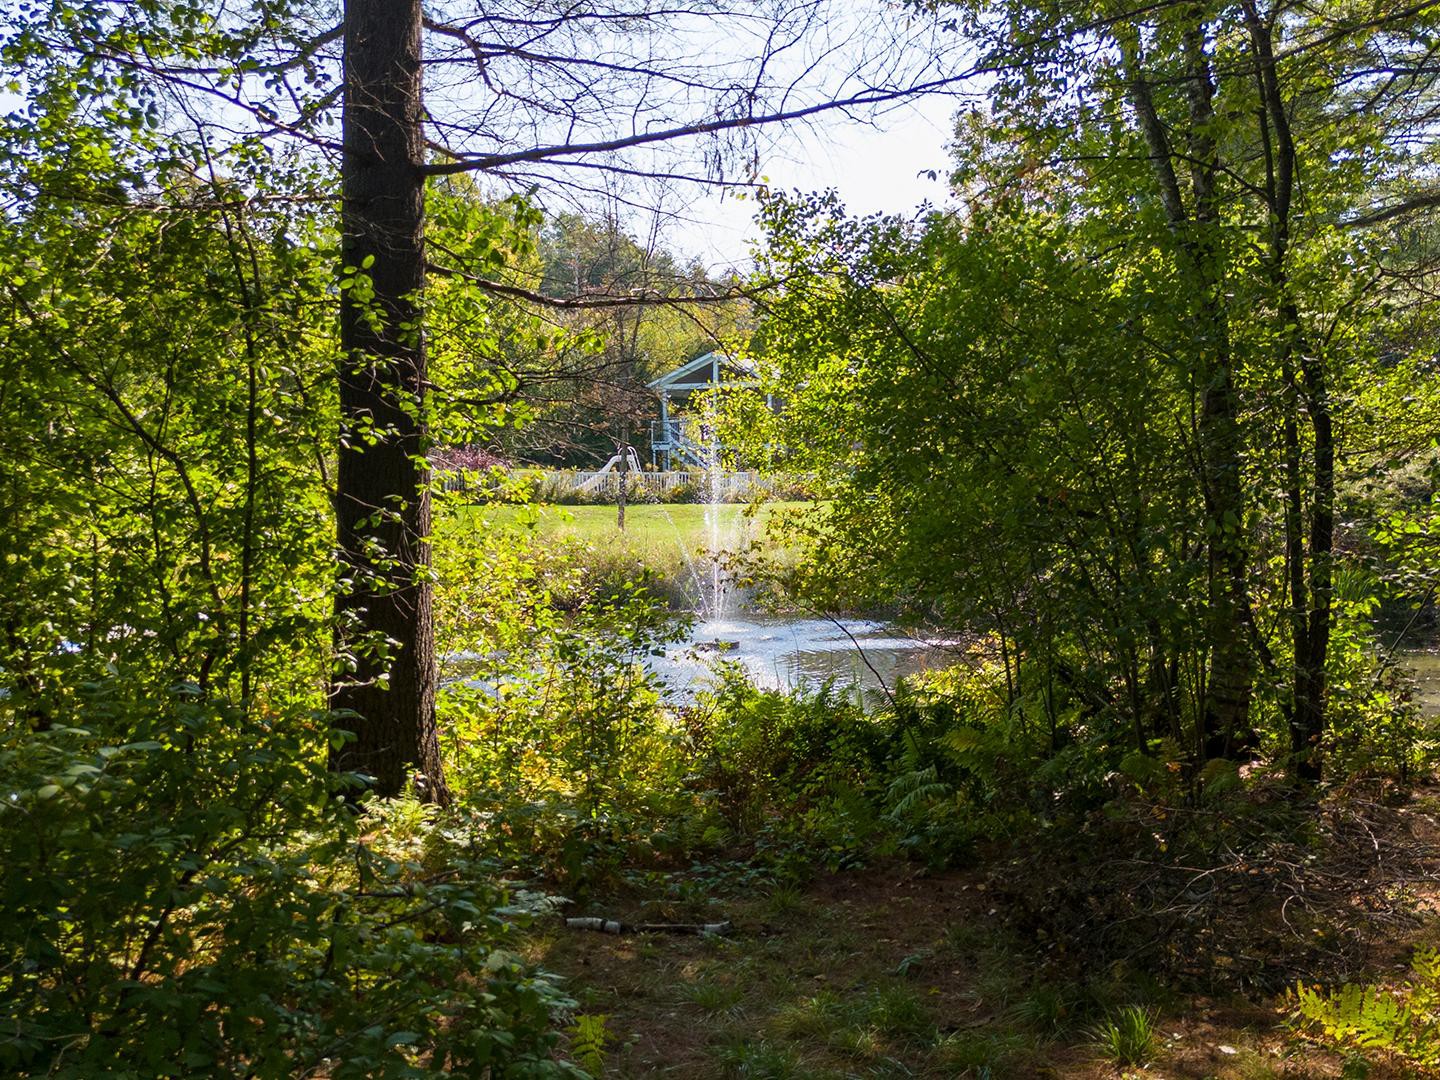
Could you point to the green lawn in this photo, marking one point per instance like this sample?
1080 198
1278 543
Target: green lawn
647 525
668 540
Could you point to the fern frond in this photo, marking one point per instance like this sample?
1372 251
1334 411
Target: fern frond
589 1039
1403 1023
914 790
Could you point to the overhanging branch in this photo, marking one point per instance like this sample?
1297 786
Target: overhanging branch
1412 205
711 127
642 298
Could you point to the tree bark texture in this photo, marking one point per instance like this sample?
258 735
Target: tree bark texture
384 626
1310 571
1232 665
1225 715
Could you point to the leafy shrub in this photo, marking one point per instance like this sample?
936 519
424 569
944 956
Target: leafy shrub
764 751
790 488
691 491
552 488
946 765
1388 736
200 899
1403 1024
561 488
557 732
963 766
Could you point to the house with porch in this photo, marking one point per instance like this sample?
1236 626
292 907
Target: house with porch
676 439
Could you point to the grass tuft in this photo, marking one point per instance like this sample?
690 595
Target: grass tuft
785 901
990 1051
898 1012
813 1017
1127 1036
713 998
749 1059
1048 1009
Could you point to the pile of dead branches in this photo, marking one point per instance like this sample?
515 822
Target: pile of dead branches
1251 894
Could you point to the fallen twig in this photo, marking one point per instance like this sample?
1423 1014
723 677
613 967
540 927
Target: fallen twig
615 926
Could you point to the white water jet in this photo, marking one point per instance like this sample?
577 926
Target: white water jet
699 575
720 540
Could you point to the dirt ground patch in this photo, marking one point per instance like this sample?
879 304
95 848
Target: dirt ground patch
890 972
893 971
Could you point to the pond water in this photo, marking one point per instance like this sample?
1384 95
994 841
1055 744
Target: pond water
860 655
1423 665
866 657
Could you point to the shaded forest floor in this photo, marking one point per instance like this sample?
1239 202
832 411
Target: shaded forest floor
893 971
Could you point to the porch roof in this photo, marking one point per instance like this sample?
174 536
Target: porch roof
705 373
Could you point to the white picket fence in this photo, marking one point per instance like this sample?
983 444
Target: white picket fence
658 486
722 486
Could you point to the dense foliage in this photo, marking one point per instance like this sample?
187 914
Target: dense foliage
202 899
1158 396
1148 421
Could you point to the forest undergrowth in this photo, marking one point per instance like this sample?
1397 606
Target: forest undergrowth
1017 957
945 886
948 885
302 769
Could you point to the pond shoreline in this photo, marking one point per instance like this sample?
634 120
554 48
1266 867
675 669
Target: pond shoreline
864 656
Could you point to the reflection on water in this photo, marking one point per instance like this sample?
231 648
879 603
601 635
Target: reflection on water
1423 665
867 656
785 653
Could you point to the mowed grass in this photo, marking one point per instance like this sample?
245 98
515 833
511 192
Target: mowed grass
683 526
673 544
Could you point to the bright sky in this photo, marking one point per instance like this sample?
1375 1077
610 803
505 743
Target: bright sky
875 167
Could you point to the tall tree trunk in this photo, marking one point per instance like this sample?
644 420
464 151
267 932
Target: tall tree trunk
1232 665
1311 606
1311 689
1225 718
384 628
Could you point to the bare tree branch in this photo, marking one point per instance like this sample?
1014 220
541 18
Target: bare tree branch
1414 204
